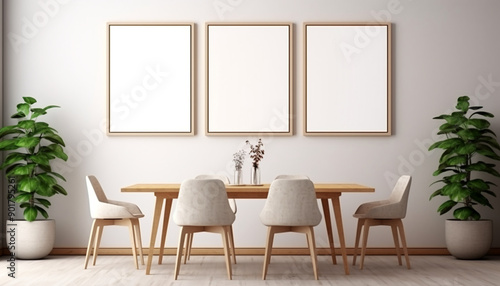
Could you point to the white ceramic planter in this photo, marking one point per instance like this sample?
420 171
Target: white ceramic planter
30 240
468 239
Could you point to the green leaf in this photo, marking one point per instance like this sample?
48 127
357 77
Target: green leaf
40 159
487 151
50 106
490 141
20 170
478 184
59 189
26 124
7 130
447 143
8 144
456 178
463 103
58 151
29 100
42 211
37 112
436 193
23 109
30 213
479 123
448 128
23 197
457 160
456 192
482 200
54 138
469 134
446 207
452 188
455 119
43 202
45 190
13 158
29 184
466 149
466 213
28 142
483 113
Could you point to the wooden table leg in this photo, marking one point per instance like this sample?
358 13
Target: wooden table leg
154 230
166 216
340 229
328 223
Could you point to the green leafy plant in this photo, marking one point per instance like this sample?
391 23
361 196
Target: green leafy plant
31 146
468 140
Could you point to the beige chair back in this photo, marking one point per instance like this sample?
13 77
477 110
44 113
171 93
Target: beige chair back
291 202
292 177
203 202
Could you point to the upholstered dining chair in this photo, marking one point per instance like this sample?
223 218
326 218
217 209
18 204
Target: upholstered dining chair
109 212
202 206
291 206
389 212
234 208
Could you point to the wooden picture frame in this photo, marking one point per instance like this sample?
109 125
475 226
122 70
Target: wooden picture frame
249 82
347 79
150 78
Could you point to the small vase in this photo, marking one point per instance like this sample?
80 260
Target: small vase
255 175
238 177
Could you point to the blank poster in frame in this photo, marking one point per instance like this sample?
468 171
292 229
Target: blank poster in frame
150 82
249 78
347 79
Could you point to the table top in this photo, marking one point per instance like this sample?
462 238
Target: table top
323 190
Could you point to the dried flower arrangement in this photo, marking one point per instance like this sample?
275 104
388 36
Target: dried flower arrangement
256 152
239 159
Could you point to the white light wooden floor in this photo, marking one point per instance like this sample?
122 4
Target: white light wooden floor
283 270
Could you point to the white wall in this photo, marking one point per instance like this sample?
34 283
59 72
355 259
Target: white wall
56 52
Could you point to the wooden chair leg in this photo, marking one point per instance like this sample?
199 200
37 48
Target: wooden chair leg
188 246
225 241
93 232
403 242
356 243
267 254
394 229
366 227
231 241
139 239
132 241
100 227
179 251
312 249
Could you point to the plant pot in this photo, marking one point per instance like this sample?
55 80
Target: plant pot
30 240
255 176
238 177
468 239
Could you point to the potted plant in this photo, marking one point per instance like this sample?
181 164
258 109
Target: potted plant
256 154
468 142
31 147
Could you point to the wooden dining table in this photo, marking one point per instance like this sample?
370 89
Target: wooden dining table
166 193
